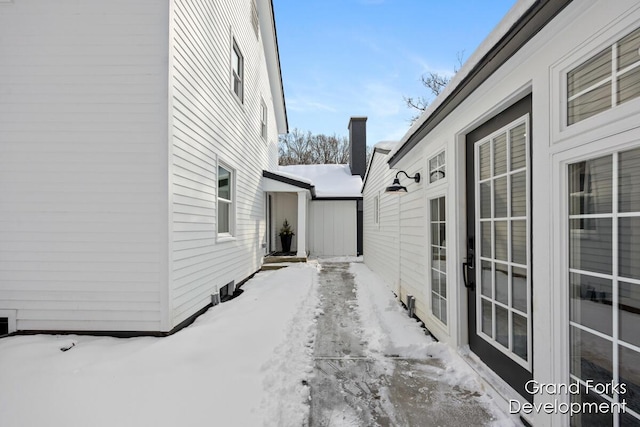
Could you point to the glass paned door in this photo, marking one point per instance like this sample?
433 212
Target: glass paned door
497 269
604 282
502 197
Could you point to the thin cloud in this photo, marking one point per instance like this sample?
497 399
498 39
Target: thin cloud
307 105
426 67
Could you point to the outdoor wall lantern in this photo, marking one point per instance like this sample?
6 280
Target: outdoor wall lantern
396 188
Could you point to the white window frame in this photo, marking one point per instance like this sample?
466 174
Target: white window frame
264 115
599 125
527 364
237 77
226 235
611 78
614 277
431 267
439 169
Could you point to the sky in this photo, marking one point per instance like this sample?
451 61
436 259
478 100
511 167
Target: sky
343 58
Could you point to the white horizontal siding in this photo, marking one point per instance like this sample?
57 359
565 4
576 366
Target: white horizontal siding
413 238
82 149
210 126
381 241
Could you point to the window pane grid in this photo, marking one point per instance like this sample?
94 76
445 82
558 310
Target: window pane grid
504 241
624 300
605 80
438 259
225 201
437 167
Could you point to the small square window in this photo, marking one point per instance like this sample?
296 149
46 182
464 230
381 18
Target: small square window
237 67
437 167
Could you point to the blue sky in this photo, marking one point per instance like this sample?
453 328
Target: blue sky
343 58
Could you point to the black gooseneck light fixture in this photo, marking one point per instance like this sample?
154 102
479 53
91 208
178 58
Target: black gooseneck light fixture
396 188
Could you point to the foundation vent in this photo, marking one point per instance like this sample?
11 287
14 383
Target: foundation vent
411 305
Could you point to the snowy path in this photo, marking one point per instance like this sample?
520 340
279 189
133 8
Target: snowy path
373 366
249 363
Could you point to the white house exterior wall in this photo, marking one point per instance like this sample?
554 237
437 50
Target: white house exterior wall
581 30
332 227
82 194
412 243
380 241
211 126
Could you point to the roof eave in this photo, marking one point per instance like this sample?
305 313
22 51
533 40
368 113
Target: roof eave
526 27
272 56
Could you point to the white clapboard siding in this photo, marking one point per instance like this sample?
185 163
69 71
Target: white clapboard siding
333 228
210 126
83 134
413 238
381 241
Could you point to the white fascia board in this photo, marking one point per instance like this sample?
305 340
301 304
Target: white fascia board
272 57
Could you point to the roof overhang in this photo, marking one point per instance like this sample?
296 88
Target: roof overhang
272 56
275 182
281 183
534 19
382 151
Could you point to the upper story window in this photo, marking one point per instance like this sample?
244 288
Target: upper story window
263 120
237 66
437 167
609 78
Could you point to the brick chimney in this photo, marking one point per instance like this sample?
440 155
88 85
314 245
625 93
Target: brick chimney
358 145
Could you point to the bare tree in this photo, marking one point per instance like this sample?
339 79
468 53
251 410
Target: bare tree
436 83
299 148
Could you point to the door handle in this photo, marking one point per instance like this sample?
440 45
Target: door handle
469 284
469 264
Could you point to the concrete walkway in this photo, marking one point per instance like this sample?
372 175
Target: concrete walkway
351 389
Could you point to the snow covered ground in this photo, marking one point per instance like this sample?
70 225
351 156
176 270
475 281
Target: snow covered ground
245 362
239 364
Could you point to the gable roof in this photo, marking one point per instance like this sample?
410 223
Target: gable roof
525 19
383 148
330 181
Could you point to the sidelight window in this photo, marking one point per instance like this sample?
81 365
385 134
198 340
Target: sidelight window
604 281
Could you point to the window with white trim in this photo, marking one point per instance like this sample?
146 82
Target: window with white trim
438 259
502 200
237 71
604 283
225 201
608 79
437 167
263 120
